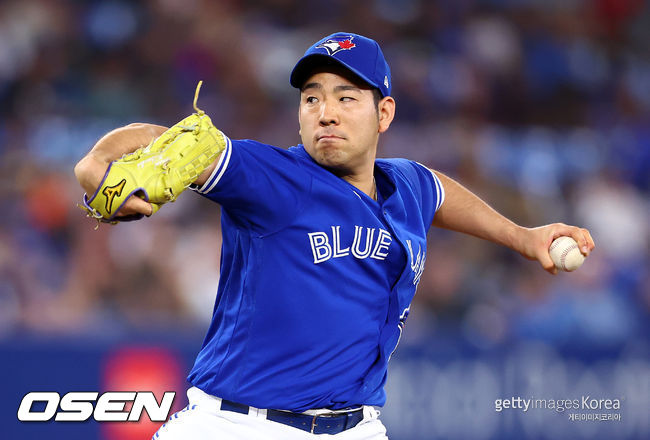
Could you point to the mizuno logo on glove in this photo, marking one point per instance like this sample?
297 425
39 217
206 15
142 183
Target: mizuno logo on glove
110 192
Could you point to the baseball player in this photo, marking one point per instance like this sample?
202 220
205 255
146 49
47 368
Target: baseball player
323 249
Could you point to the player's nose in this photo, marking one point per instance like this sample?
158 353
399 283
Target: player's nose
329 113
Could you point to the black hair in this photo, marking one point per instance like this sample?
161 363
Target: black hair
376 97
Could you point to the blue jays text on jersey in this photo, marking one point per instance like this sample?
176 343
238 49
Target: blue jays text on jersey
316 278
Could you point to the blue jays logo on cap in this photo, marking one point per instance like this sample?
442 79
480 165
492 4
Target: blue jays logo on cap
360 55
337 44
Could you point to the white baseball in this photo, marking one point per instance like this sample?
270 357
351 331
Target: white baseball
566 254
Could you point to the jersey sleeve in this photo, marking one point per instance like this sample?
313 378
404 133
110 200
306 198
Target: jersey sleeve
426 186
434 183
258 185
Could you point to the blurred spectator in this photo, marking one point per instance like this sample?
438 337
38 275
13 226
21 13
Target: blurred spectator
542 108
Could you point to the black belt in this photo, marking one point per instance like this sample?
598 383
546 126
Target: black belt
319 424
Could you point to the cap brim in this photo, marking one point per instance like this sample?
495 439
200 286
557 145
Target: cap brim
309 63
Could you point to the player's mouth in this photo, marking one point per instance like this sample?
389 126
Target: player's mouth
328 138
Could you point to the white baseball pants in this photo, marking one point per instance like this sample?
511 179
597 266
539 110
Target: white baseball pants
203 419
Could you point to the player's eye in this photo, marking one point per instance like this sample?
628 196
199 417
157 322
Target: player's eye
347 99
311 99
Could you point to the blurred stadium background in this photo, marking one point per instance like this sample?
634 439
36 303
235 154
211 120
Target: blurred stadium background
542 107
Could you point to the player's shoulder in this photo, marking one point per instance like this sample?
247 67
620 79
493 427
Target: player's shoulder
257 147
421 180
253 145
407 168
417 176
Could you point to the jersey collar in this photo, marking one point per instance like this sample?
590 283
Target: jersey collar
383 175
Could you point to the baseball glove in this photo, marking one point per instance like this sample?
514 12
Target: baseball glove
159 172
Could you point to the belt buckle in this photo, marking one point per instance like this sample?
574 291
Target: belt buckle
313 423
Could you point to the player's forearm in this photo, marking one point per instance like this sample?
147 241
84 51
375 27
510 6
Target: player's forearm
129 138
125 140
463 211
91 168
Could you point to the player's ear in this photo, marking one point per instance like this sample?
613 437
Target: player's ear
386 109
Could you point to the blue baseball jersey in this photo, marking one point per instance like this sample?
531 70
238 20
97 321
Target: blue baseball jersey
316 277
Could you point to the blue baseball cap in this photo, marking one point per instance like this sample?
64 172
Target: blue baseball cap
360 55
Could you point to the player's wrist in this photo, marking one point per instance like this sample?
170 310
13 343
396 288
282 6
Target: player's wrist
518 239
205 175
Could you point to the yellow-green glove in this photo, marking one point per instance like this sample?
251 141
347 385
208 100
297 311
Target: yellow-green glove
159 172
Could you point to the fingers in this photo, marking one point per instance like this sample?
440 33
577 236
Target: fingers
546 234
582 236
584 240
135 205
590 241
546 262
154 208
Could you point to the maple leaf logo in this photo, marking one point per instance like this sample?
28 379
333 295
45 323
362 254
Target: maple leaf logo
346 44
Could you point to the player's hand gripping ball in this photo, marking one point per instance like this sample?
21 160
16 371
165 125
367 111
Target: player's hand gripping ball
159 172
566 254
